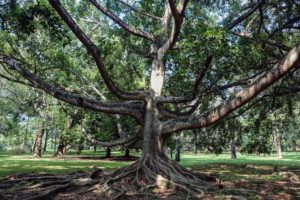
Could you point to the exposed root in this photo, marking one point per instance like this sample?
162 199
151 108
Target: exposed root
36 187
156 173
149 177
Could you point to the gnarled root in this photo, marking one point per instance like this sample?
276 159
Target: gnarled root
150 177
40 186
152 174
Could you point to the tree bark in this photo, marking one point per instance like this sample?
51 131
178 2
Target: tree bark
79 149
95 148
61 149
55 142
108 152
46 142
195 144
233 149
277 142
126 153
37 151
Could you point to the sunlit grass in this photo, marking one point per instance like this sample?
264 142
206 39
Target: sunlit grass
290 160
14 164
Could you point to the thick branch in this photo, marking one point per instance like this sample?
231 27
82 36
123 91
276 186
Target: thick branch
178 14
291 61
115 108
121 23
91 47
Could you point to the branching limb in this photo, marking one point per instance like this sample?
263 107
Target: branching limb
245 15
91 47
195 91
178 13
121 23
291 61
268 42
140 11
286 25
61 94
16 81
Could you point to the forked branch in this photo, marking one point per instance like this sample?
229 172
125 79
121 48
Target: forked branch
121 23
178 14
96 55
196 86
77 100
140 11
291 61
245 15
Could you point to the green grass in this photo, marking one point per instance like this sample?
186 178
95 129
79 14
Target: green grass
290 160
14 164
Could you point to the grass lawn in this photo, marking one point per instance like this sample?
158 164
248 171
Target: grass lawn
14 164
247 172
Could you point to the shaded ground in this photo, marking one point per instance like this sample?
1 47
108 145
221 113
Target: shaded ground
256 177
115 158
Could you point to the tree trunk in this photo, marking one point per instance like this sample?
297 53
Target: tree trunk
277 142
37 151
177 149
126 153
46 141
233 149
195 149
78 149
60 150
108 152
153 165
95 148
55 142
62 147
195 144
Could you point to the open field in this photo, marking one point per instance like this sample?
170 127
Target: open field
13 164
270 177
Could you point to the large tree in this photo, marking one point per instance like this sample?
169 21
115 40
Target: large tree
242 54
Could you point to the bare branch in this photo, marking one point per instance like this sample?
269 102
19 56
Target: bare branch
91 47
139 11
286 25
61 94
121 23
195 91
245 15
268 42
291 61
